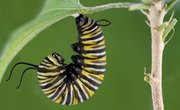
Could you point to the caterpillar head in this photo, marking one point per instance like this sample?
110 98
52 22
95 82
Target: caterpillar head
54 59
52 65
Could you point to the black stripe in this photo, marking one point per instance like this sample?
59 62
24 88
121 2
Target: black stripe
46 58
64 94
55 56
94 72
88 86
95 57
42 76
90 58
94 66
86 90
69 93
52 83
75 93
44 65
46 62
93 38
94 42
78 19
94 51
96 78
45 81
57 92
89 80
80 73
80 90
44 70
90 27
99 61
91 31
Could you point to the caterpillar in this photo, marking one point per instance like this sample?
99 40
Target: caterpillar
76 82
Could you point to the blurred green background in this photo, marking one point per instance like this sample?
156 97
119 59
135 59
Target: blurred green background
128 50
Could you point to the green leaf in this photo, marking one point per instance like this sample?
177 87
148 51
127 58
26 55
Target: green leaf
171 4
163 26
169 28
53 11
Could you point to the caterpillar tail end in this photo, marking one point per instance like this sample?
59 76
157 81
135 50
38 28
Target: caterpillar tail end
76 15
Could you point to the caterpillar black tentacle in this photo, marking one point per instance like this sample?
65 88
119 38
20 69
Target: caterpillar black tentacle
20 63
76 82
29 68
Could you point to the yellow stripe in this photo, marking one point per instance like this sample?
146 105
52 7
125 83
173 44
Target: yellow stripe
53 60
92 34
75 101
62 94
89 56
89 91
92 47
42 77
49 74
49 68
59 99
101 76
89 61
92 31
44 80
49 91
88 25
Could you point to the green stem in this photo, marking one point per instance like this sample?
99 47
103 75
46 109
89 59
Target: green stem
90 10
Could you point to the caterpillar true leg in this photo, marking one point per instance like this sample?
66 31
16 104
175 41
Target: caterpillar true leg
76 47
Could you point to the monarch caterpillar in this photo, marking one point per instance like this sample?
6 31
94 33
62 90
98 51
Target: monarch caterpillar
76 82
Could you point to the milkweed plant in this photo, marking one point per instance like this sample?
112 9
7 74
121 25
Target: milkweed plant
56 10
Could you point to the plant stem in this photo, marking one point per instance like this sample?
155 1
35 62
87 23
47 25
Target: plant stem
90 10
156 15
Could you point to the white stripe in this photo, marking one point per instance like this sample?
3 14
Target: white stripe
58 93
98 48
92 35
49 74
65 99
47 67
42 77
71 92
95 87
48 64
43 84
97 81
77 90
46 61
93 29
83 90
56 84
95 69
99 63
49 81
97 54
94 40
